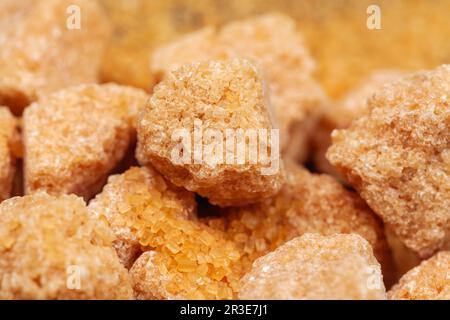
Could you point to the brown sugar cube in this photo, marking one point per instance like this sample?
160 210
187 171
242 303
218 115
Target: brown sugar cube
74 137
428 281
273 42
307 203
398 158
316 267
341 114
207 128
50 248
44 49
183 258
8 144
112 202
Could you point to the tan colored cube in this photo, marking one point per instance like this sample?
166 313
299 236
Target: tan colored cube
307 203
182 258
316 267
273 42
50 248
428 281
74 137
9 142
44 49
340 115
111 203
398 158
208 129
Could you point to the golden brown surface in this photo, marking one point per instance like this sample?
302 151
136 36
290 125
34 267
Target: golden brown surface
307 203
274 43
339 115
316 267
74 137
334 31
428 281
112 202
184 259
8 144
398 158
45 240
219 96
39 54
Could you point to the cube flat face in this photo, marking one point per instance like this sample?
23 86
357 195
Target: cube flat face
144 183
207 127
316 267
74 137
428 281
48 45
49 237
8 142
398 157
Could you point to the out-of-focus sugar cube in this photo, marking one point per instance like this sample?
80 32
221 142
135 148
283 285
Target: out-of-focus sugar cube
112 203
183 258
273 42
340 115
43 50
307 203
74 137
398 157
9 141
207 128
428 281
50 248
340 266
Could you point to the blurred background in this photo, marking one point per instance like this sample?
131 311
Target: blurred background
415 34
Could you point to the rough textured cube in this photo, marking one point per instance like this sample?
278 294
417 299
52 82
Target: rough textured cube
307 203
272 42
341 114
9 142
74 137
42 50
183 258
316 267
428 281
112 202
50 248
207 128
398 158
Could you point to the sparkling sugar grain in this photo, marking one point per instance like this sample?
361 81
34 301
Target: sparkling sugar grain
182 259
74 137
9 141
186 259
50 248
274 43
307 203
428 281
398 158
316 267
40 53
217 97
112 202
